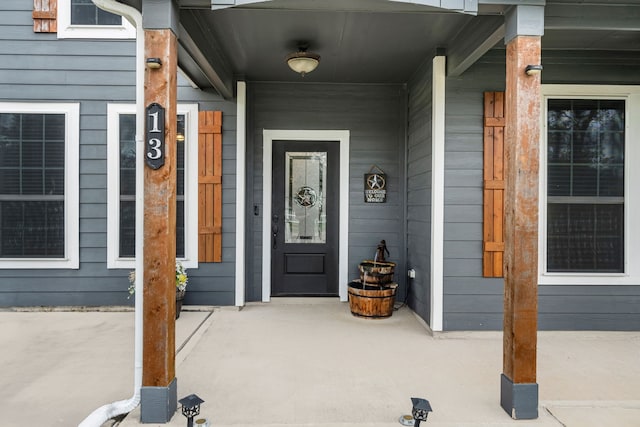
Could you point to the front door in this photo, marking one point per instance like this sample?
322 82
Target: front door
304 218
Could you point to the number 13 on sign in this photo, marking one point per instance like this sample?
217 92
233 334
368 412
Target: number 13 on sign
154 138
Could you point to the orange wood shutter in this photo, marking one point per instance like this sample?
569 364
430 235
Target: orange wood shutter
493 189
210 186
45 16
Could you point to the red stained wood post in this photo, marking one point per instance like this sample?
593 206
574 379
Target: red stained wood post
158 376
519 391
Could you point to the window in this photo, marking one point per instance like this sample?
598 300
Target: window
39 185
84 12
585 185
589 147
122 186
83 19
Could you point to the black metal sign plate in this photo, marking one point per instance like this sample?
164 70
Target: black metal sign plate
154 146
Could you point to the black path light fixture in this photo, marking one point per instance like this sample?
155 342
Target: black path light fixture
302 61
190 407
421 409
154 63
532 70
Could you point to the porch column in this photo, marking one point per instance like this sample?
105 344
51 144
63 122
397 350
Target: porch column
159 387
519 390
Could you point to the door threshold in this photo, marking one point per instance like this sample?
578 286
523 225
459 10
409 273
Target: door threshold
304 300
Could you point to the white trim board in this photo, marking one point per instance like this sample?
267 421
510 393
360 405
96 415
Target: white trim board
338 136
241 184
437 191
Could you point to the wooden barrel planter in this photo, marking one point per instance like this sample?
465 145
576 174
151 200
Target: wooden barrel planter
376 273
371 301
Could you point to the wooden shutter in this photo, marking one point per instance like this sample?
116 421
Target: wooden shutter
493 204
45 16
210 186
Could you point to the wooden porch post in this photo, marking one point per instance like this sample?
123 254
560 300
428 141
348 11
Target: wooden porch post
159 390
519 390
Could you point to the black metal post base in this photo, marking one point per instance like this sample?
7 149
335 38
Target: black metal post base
520 401
158 404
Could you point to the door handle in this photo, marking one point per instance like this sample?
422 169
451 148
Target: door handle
274 231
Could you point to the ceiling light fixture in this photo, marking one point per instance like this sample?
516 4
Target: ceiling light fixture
303 62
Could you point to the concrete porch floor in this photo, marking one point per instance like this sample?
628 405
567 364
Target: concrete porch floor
309 362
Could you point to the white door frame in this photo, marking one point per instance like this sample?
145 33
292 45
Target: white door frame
337 136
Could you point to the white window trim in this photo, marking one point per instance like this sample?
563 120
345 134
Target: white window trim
190 111
631 275
68 31
71 259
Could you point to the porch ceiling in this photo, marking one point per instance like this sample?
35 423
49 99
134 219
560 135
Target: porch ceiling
374 41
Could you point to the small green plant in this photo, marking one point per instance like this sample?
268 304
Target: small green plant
181 279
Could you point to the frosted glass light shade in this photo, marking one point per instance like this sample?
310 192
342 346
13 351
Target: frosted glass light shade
303 62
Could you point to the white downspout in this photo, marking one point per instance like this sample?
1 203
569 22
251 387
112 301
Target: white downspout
108 411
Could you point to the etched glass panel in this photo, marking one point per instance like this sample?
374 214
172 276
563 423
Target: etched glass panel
305 197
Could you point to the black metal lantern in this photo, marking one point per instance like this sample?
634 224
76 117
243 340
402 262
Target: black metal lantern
190 407
421 409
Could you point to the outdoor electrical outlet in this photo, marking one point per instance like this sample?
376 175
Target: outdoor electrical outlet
411 273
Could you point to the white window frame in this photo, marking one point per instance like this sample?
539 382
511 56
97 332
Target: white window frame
71 259
190 111
68 31
631 275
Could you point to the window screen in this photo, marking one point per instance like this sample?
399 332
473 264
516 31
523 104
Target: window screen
32 170
585 185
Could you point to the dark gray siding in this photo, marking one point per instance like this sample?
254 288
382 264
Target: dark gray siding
470 301
419 165
374 116
40 68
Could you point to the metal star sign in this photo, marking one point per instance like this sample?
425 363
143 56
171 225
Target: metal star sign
375 188
376 182
306 197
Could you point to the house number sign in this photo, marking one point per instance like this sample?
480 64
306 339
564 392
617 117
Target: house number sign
155 146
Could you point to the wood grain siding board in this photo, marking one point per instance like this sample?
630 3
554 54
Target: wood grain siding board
591 304
478 303
589 322
480 285
23 43
465 249
464 213
462 196
473 321
75 64
464 160
47 77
